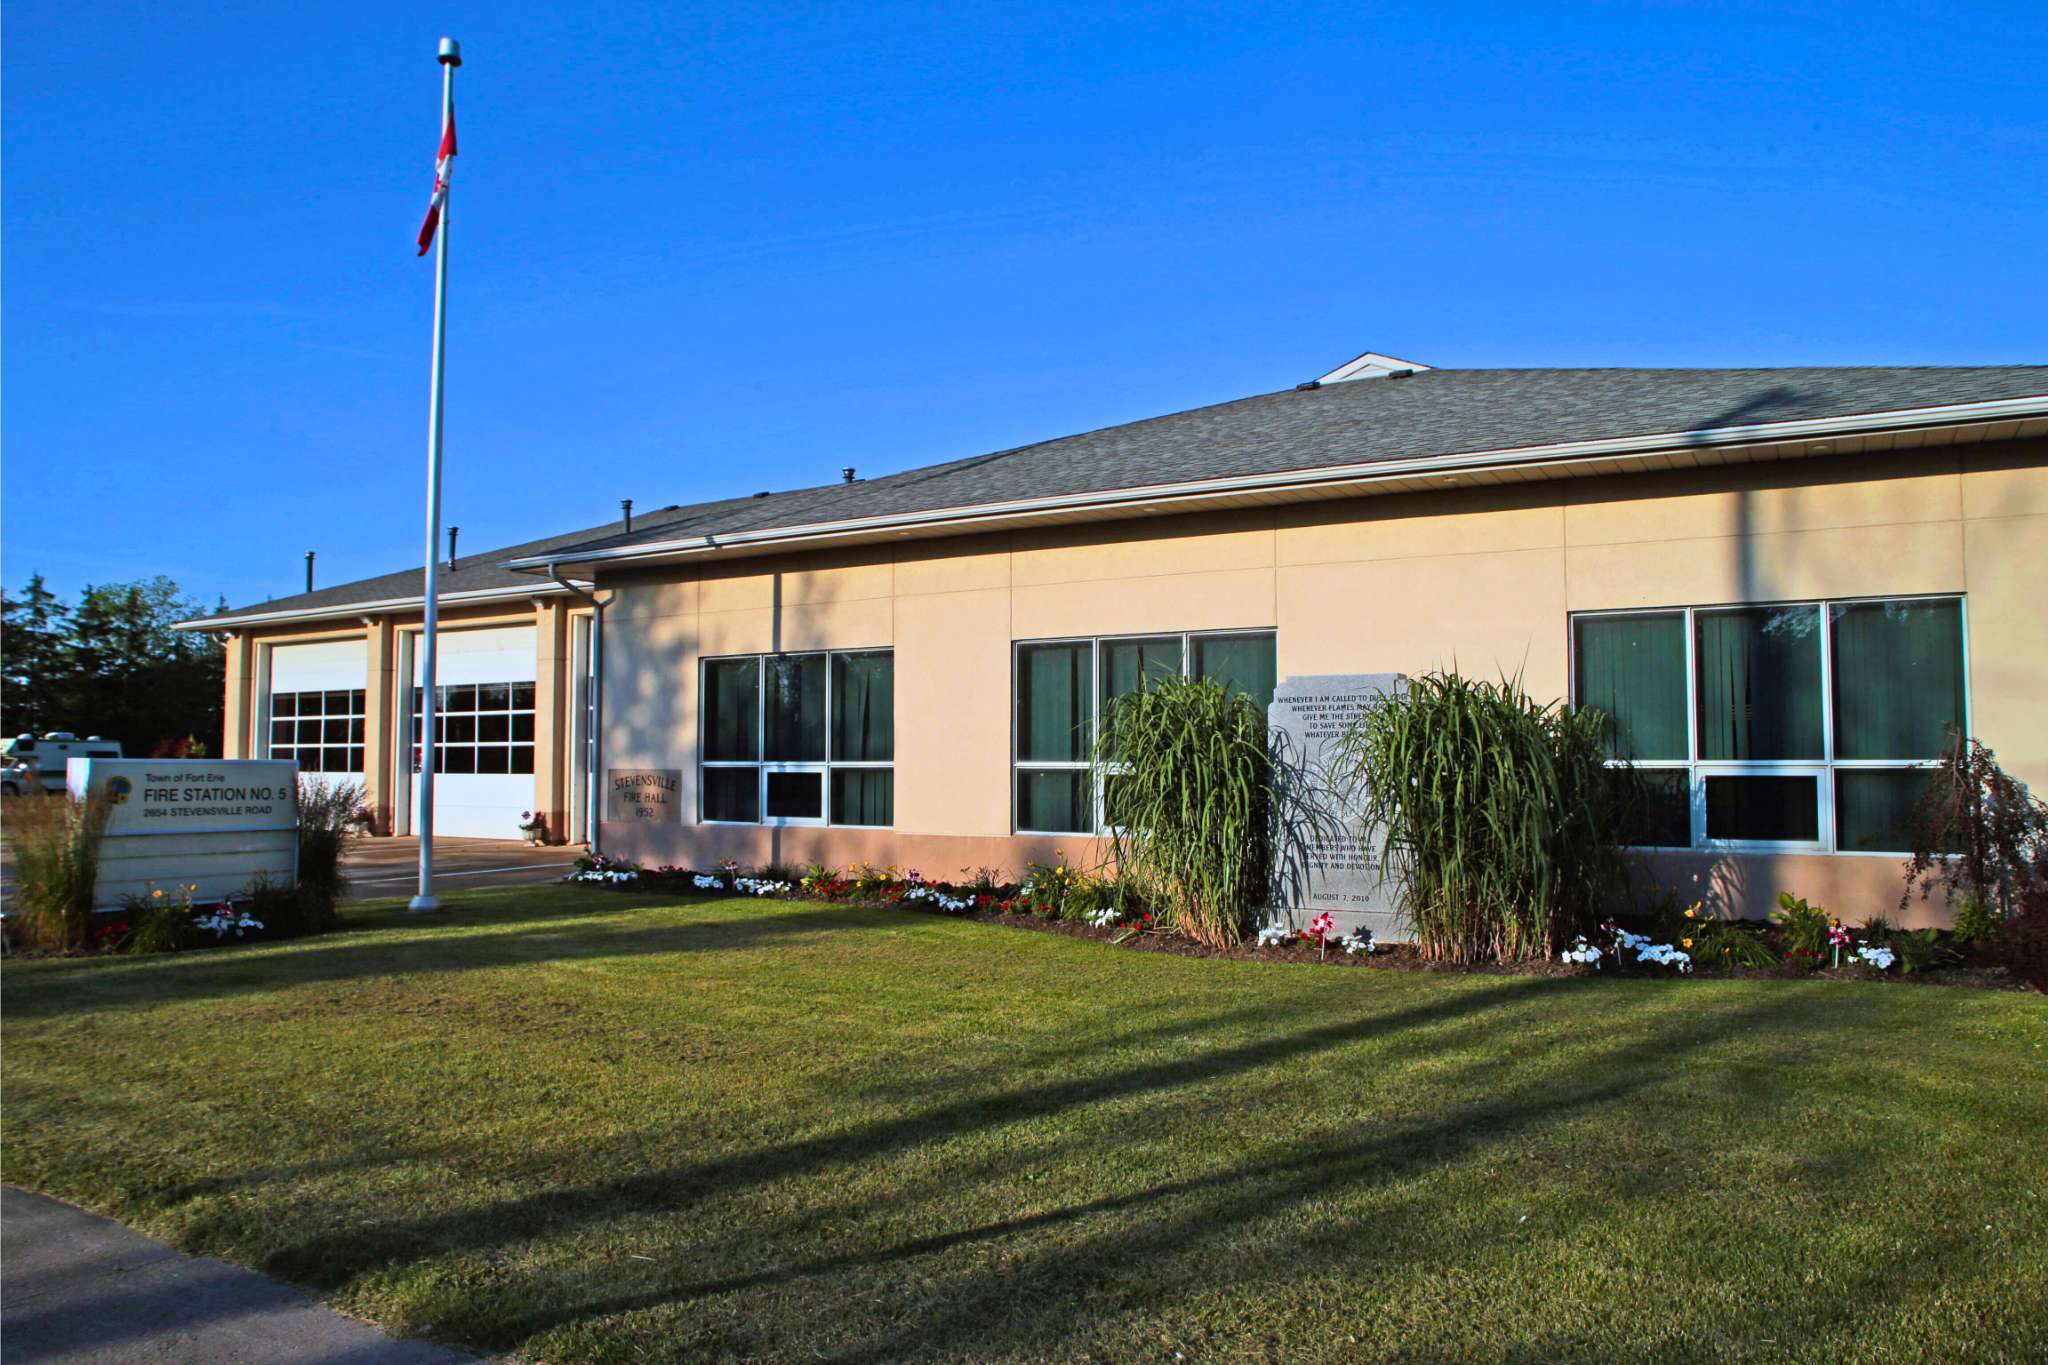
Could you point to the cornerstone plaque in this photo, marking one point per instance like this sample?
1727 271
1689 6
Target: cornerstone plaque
644 796
1324 855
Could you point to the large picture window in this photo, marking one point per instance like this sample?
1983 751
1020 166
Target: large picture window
1805 725
323 730
482 727
799 739
1062 687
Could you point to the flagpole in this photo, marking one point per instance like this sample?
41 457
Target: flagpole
450 57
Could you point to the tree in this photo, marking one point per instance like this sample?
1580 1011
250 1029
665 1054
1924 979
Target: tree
113 666
35 658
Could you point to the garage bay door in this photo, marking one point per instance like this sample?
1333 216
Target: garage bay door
315 708
483 778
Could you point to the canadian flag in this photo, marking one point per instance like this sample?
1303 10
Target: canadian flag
444 166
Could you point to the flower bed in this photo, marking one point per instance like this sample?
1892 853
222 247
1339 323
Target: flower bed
1800 941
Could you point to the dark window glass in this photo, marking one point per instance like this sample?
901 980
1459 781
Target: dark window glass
1753 807
1658 807
1129 665
337 702
1241 663
522 758
335 731
1898 678
459 698
334 760
1633 669
494 697
1759 683
355 758
1874 808
522 727
456 758
732 710
457 729
795 708
796 796
493 728
864 709
863 796
732 794
1054 802
522 696
284 704
281 733
1054 706
310 730
493 758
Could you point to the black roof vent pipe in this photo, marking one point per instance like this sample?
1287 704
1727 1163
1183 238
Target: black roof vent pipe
309 571
626 506
453 532
846 473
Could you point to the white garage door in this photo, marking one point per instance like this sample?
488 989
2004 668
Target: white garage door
483 776
316 705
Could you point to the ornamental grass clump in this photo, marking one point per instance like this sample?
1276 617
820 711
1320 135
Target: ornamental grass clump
56 841
1189 794
1497 815
327 823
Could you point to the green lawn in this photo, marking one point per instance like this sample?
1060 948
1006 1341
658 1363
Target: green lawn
588 1126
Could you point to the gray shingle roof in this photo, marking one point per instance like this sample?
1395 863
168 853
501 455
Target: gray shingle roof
1428 413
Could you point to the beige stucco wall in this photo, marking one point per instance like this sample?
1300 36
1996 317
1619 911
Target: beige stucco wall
1484 578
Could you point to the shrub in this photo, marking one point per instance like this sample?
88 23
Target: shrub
1803 930
1498 814
1717 942
2023 938
1922 950
327 823
286 911
1978 833
162 922
56 841
1188 802
1976 921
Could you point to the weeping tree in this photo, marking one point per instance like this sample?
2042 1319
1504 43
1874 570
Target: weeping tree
1187 793
1498 814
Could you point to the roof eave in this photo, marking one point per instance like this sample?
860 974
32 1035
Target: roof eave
375 607
1333 480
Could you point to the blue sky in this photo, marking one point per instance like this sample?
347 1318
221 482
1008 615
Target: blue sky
702 250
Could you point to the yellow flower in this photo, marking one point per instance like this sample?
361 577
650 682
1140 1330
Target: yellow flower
157 893
1692 912
1686 941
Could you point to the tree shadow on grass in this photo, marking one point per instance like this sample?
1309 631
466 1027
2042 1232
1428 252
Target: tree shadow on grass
1027 1298
473 938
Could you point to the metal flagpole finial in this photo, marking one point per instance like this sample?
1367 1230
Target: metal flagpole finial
451 52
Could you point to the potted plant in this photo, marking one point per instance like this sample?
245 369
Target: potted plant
534 827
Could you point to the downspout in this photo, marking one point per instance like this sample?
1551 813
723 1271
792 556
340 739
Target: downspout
594 791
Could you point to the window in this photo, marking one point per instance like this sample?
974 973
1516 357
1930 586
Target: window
1063 685
482 728
1800 725
322 730
799 739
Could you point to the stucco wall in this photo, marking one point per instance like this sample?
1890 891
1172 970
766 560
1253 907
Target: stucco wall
1484 578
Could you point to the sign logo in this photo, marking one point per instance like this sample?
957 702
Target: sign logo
119 788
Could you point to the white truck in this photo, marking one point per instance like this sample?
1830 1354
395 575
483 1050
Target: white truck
30 764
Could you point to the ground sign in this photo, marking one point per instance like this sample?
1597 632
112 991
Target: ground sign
216 825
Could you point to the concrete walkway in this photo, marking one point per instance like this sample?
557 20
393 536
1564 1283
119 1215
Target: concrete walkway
390 867
78 1287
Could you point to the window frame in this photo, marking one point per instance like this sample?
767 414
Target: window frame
356 717
1823 769
763 765
1098 784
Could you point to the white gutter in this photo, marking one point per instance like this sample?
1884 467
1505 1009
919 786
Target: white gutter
236 622
1362 474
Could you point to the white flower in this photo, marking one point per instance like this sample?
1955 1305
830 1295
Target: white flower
1273 935
1880 958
